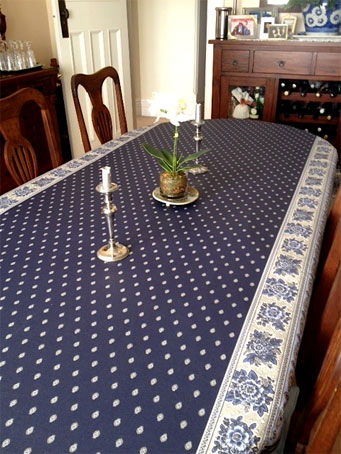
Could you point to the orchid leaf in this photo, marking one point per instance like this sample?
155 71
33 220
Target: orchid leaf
153 151
163 155
193 156
167 156
165 166
173 162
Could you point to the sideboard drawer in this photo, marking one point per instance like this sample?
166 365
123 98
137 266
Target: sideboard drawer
282 62
235 61
328 64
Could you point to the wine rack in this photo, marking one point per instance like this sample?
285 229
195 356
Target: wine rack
312 105
266 64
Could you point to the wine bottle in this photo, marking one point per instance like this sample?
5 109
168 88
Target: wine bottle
328 110
334 89
301 109
297 108
322 132
312 109
319 131
258 101
284 108
292 87
312 85
320 88
288 87
304 88
285 88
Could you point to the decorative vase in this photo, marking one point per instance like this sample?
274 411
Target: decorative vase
172 185
321 19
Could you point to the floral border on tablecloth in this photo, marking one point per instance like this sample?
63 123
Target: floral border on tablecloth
21 193
248 413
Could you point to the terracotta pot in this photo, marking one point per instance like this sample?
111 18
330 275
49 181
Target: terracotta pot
173 186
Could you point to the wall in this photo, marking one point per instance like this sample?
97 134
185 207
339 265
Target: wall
211 20
162 43
27 20
162 49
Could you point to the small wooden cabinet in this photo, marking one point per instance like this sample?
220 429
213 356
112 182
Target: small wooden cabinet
256 63
46 81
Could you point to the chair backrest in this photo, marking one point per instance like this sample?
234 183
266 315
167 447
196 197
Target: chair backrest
20 158
101 118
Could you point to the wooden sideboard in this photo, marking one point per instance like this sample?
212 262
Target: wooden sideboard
268 64
46 81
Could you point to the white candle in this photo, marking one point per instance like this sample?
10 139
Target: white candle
198 118
106 177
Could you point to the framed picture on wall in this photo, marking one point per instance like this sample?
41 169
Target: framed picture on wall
291 22
268 11
278 31
264 27
242 27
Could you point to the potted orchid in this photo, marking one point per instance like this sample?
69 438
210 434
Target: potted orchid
173 179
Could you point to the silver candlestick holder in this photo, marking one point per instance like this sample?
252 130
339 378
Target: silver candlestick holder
111 252
198 169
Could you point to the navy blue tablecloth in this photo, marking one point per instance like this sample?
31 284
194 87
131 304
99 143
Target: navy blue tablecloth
128 357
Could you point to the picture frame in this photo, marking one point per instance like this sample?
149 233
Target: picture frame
266 11
291 22
278 31
242 27
264 27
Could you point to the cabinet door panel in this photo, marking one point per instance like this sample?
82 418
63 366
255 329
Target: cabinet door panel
228 84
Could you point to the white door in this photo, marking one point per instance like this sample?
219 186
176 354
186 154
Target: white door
98 37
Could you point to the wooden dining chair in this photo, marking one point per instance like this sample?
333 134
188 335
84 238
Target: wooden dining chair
318 364
333 219
323 313
101 118
315 427
19 155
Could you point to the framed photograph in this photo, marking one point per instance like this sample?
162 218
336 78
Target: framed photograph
291 22
242 27
264 27
268 11
278 31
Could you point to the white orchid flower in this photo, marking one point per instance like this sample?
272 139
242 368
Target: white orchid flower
164 105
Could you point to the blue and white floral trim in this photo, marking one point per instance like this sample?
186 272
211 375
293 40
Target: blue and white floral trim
247 415
18 195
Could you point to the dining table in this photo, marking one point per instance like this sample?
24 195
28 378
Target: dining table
189 343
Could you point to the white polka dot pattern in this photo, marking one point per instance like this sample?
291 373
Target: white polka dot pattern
128 357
